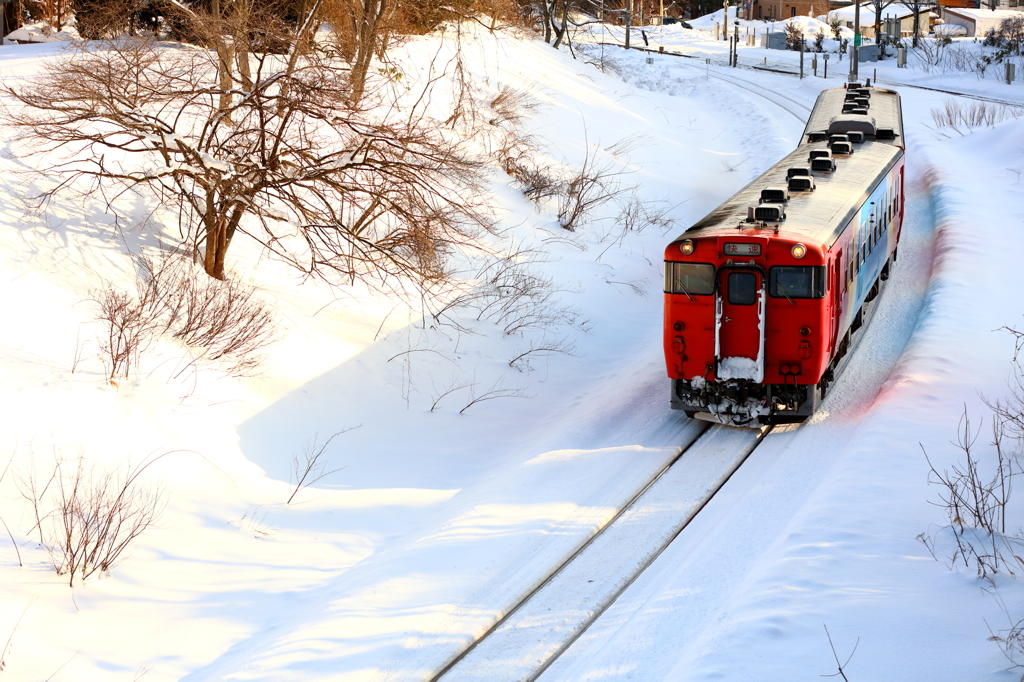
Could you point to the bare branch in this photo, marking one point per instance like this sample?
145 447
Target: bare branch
312 466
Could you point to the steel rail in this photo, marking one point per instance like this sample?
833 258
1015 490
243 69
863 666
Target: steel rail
736 82
558 647
558 569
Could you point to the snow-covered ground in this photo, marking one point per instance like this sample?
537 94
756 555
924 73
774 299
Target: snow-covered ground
440 521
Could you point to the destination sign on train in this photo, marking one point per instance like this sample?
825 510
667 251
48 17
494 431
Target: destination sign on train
737 249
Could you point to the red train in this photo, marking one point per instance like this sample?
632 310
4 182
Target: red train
763 295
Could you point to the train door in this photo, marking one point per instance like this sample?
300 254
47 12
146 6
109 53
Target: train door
836 282
740 325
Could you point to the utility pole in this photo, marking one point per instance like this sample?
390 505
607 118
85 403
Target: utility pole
736 43
725 19
629 20
855 55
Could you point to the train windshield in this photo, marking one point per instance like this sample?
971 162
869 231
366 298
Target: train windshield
695 279
798 281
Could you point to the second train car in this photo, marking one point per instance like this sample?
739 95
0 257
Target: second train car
763 295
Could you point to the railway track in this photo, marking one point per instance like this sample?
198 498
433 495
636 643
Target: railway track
536 631
980 98
797 109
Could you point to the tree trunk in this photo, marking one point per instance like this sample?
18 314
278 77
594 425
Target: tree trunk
368 36
917 23
216 238
225 57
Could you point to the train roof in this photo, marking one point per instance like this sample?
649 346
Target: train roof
819 216
884 114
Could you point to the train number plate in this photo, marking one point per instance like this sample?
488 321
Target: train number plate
737 249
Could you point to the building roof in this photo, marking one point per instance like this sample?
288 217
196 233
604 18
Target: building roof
975 14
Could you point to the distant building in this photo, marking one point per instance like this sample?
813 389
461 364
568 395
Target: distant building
978 22
780 10
903 14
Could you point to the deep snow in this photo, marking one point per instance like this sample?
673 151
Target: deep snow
440 520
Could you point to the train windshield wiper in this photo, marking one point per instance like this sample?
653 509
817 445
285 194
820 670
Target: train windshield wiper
782 288
679 285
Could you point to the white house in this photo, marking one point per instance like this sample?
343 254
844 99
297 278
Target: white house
977 22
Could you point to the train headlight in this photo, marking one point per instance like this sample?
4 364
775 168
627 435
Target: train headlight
799 251
686 247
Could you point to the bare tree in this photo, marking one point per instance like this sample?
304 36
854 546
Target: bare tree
917 7
879 6
274 150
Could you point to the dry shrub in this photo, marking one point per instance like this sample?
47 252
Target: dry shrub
87 518
129 324
511 107
959 115
536 181
225 320
594 185
975 496
508 291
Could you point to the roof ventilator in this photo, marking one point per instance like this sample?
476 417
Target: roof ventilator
842 148
797 171
853 86
885 134
774 195
819 154
770 212
801 183
825 163
856 137
863 102
864 92
859 110
838 137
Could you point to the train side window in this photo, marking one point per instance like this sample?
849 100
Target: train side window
797 281
695 279
742 288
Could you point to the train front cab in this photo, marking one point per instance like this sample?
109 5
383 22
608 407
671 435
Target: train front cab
748 327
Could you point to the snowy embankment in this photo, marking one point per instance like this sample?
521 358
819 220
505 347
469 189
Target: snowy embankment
440 520
232 572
